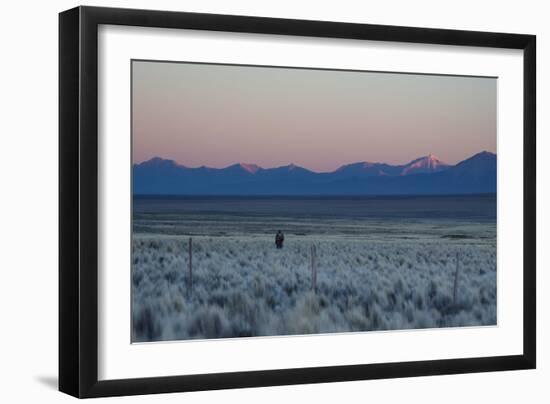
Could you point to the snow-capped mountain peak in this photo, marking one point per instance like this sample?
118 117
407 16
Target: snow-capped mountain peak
251 168
422 165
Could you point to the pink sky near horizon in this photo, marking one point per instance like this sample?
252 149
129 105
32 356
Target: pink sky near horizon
218 115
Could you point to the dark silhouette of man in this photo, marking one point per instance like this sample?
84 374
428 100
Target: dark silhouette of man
279 239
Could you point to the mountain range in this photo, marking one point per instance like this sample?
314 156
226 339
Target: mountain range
423 176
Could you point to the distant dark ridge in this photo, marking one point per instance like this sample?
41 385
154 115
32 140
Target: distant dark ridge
475 175
326 197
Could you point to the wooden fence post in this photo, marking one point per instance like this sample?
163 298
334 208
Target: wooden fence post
313 268
190 276
455 287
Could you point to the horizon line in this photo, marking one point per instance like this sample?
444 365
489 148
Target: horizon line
308 196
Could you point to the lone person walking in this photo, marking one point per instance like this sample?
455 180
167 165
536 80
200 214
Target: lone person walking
279 239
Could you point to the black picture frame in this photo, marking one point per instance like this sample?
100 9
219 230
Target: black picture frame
78 201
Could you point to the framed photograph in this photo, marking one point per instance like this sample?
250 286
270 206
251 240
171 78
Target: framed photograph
250 201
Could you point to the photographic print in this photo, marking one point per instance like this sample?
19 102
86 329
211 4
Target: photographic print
272 201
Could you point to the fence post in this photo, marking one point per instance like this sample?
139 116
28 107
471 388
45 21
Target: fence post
313 268
190 276
455 287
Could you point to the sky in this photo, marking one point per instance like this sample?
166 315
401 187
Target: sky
218 115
